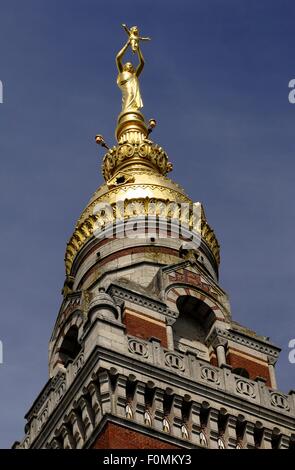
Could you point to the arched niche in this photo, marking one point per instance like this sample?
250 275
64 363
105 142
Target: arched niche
193 324
70 346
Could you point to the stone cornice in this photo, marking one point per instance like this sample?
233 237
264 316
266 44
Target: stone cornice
43 395
241 338
123 293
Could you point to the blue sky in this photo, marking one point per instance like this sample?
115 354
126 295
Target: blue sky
216 80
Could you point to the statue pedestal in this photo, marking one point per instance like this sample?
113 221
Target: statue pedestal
131 127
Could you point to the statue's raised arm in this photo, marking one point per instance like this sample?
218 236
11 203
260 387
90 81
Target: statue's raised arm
120 55
141 62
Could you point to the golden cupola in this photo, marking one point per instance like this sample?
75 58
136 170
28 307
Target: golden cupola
135 173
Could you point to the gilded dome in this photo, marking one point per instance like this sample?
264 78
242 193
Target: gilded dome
136 185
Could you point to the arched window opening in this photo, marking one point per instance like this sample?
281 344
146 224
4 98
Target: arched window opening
203 439
166 425
130 392
128 411
220 443
147 418
184 432
70 347
193 324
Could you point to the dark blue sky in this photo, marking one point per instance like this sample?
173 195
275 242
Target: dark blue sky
216 80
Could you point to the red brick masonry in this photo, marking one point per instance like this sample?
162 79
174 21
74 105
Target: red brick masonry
114 436
255 369
144 328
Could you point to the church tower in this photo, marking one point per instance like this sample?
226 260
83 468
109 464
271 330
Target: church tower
145 352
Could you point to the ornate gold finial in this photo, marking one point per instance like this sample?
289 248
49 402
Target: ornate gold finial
152 125
100 141
131 125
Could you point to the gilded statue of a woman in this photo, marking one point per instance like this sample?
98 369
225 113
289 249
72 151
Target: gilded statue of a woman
128 80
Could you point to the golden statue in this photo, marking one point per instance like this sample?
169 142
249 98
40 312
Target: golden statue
128 76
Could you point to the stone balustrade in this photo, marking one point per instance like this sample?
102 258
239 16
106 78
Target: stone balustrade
221 378
170 411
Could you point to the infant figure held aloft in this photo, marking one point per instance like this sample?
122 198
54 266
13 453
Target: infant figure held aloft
134 37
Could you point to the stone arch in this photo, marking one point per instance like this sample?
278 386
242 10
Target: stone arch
196 313
75 319
176 291
70 346
73 323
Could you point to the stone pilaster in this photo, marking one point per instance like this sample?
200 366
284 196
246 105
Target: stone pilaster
105 392
271 366
284 442
87 416
195 423
249 436
95 401
231 434
213 428
139 402
266 442
78 429
67 436
169 331
120 396
159 410
176 416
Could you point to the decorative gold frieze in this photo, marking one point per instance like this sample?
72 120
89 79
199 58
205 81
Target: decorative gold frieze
134 208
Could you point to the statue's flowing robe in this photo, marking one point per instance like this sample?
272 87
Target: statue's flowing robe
129 85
